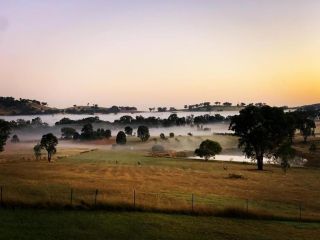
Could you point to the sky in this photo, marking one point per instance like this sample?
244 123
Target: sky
160 53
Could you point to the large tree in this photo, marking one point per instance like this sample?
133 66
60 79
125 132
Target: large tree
5 130
261 131
49 142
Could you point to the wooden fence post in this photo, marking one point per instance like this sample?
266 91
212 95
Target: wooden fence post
192 202
247 205
1 197
95 198
71 196
134 198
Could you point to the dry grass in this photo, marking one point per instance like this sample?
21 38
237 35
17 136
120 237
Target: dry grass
163 183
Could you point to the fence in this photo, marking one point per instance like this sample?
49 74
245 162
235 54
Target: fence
161 201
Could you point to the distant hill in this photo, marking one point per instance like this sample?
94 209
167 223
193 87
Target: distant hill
12 106
314 107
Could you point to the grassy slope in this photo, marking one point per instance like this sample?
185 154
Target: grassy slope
42 224
29 181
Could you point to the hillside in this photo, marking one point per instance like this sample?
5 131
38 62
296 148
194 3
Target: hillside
11 106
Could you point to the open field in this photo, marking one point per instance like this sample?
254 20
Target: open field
44 224
161 183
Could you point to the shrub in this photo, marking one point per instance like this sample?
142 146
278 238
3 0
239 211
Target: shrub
157 148
162 136
121 138
208 149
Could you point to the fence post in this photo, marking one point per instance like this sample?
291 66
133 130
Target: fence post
134 198
192 202
95 198
1 197
71 196
247 205
300 211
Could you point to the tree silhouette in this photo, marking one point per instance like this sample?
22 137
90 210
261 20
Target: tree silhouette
121 138
208 148
49 142
128 130
37 151
5 130
261 131
143 133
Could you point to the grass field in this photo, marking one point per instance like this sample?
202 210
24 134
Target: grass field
161 184
45 224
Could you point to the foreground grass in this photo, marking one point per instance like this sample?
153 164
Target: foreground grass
45 224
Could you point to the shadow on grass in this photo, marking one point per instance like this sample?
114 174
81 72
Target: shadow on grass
229 212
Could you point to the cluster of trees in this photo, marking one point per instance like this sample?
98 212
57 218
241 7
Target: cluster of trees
142 133
172 120
12 102
21 123
65 121
205 119
96 109
268 132
205 106
87 133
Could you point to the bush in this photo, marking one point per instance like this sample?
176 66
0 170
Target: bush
208 149
121 138
157 148
171 135
162 136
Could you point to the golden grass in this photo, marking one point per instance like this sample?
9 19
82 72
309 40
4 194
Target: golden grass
163 183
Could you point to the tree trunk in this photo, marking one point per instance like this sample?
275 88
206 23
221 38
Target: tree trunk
305 139
49 157
260 162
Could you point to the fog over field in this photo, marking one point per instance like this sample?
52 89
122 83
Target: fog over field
52 119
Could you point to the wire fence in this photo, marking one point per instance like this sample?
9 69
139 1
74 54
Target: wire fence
155 201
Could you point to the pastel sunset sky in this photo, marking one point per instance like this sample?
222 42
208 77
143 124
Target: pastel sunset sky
160 53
